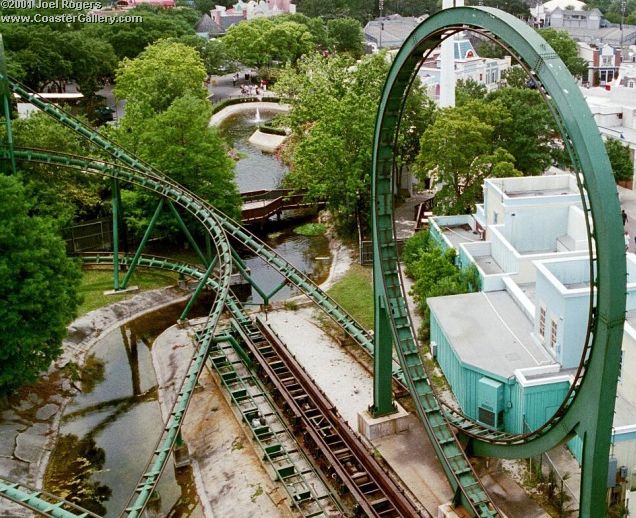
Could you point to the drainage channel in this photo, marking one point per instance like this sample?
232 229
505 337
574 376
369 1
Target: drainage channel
341 451
308 494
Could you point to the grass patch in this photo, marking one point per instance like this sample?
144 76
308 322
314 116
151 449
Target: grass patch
354 292
311 229
95 282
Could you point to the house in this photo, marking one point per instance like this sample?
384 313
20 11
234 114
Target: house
223 17
510 351
603 63
467 65
614 109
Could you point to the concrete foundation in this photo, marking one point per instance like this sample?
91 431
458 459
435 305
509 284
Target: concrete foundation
448 511
375 427
118 292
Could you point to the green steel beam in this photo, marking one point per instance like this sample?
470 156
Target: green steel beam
588 409
197 292
115 207
41 502
188 235
5 93
144 240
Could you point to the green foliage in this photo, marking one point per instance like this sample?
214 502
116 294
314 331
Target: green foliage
180 142
435 273
467 90
39 289
162 73
489 49
261 41
566 48
459 150
310 229
515 77
622 165
361 10
334 104
529 132
130 39
56 192
345 35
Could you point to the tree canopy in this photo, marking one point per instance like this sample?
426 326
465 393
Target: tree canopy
459 151
566 48
345 35
619 157
39 289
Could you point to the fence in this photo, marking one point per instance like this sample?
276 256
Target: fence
366 250
92 235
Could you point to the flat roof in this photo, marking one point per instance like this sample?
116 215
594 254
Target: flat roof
458 234
540 192
488 264
489 331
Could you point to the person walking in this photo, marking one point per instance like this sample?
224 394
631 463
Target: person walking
627 240
624 215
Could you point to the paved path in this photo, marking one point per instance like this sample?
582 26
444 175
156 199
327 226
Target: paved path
627 199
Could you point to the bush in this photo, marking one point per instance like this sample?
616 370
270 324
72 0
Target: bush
311 229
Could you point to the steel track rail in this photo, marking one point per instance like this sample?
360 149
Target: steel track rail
42 502
201 211
372 488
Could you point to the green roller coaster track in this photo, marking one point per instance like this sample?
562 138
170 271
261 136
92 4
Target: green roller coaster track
587 410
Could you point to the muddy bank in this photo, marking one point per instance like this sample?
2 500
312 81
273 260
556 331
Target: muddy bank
30 425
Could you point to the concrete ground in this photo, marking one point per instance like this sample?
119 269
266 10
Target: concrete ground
349 386
230 479
627 199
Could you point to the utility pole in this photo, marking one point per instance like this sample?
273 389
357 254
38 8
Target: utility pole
381 5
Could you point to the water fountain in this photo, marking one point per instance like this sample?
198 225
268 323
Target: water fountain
258 115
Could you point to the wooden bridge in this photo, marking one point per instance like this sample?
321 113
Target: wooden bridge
259 206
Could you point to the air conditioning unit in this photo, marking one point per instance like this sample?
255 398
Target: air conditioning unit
434 349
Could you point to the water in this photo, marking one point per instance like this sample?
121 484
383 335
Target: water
301 251
109 431
257 170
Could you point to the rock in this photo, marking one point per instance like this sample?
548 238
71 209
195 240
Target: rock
13 469
30 443
46 412
8 432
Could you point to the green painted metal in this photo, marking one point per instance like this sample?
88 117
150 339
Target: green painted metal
5 94
188 235
42 502
142 244
197 292
115 209
588 409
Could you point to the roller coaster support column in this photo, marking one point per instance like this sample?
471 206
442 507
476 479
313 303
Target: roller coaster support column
382 360
197 291
115 203
189 237
144 240
5 93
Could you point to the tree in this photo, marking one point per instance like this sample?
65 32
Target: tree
260 41
530 131
39 289
467 90
515 77
458 150
334 105
151 82
566 48
56 192
93 61
181 143
345 35
489 49
619 156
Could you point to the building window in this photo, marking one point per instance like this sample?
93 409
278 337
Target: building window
542 323
553 334
607 60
